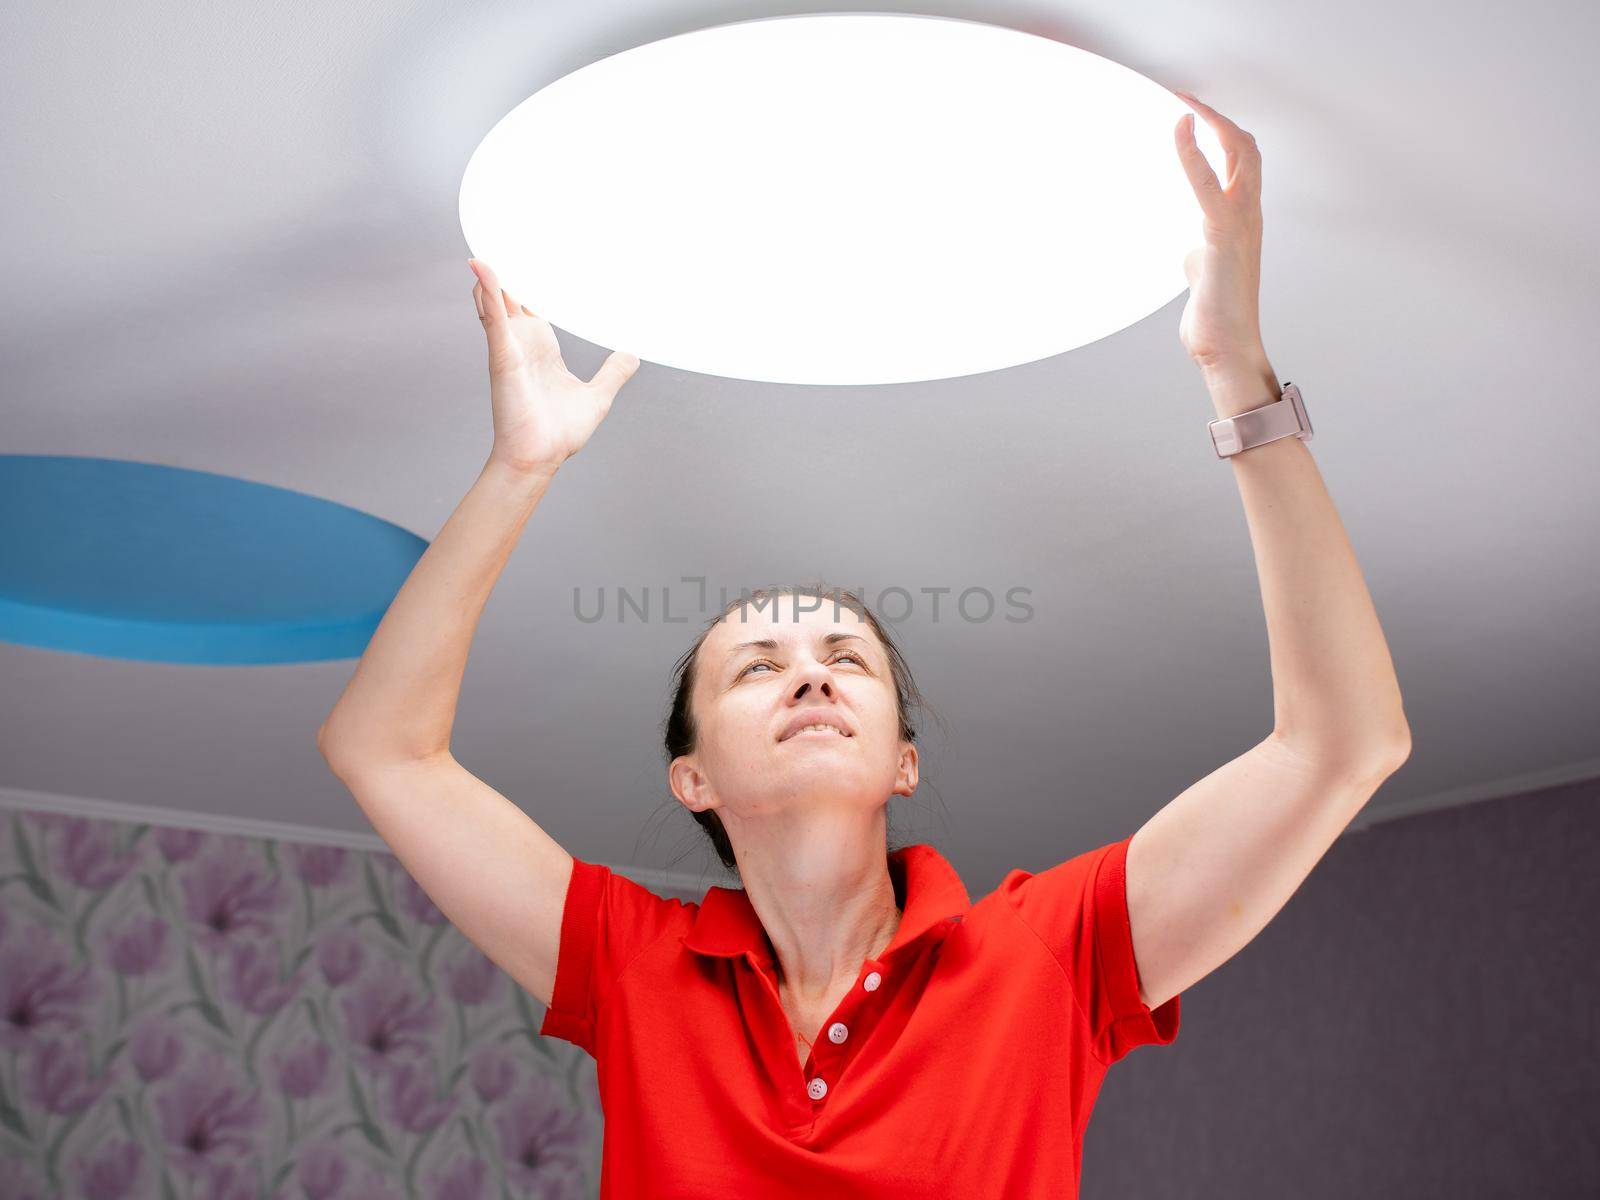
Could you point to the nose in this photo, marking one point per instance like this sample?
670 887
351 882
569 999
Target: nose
813 674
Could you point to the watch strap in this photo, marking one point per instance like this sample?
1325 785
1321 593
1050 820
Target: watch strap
1244 431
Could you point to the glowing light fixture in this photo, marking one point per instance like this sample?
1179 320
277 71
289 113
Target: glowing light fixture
843 198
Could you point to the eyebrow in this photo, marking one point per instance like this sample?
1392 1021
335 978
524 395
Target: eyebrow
832 639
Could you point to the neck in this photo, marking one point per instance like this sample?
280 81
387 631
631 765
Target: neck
826 900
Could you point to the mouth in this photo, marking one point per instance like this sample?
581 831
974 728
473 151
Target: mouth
817 729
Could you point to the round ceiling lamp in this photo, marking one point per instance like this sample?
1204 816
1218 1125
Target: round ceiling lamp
134 560
843 198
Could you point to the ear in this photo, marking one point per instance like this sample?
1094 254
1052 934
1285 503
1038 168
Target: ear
905 780
689 784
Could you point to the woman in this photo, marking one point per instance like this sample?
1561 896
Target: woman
849 1023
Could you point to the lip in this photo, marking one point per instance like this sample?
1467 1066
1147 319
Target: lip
814 716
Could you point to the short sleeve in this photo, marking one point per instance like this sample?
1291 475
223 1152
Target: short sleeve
606 922
1079 909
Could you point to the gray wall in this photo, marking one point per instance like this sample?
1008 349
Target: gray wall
1421 1020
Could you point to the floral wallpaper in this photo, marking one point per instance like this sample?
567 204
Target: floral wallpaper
198 1016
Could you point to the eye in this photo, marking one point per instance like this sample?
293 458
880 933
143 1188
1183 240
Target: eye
850 654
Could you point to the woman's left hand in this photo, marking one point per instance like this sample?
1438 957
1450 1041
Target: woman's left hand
1221 322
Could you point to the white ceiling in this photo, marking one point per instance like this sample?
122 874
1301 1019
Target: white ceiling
232 245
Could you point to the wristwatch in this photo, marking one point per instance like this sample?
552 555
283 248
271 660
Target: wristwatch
1285 415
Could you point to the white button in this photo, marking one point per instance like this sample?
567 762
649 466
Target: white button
837 1032
816 1089
872 981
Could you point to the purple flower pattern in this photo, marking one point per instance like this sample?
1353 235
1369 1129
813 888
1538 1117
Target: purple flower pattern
319 866
339 957
464 1179
412 1103
87 854
473 977
322 1171
414 902
56 1077
226 896
41 988
138 945
112 1172
185 1013
387 1015
542 1139
207 1113
252 979
303 1068
179 845
155 1048
492 1075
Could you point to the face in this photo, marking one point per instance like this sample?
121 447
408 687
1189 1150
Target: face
824 665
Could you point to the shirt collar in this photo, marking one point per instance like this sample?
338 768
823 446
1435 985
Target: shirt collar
927 887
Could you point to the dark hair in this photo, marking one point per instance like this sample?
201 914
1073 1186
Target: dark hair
680 732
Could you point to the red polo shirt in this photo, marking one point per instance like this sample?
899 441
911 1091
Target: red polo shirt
963 1063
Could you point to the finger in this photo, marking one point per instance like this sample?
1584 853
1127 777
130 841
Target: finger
493 316
491 287
486 311
480 290
1225 128
1201 177
614 372
1239 146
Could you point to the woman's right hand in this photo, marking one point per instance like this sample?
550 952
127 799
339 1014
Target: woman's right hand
543 413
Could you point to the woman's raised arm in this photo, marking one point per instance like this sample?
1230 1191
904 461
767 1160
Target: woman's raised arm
498 877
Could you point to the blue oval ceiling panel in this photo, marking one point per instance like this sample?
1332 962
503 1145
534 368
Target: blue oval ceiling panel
134 560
